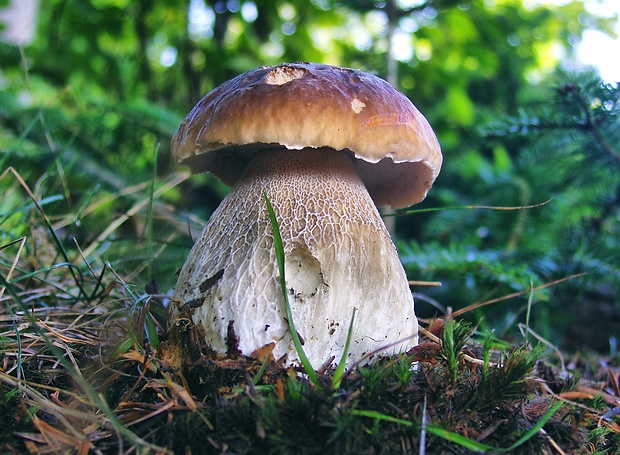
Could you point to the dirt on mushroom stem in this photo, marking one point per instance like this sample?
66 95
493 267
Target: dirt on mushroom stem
338 255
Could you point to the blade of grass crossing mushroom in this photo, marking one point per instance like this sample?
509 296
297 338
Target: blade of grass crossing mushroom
339 373
279 247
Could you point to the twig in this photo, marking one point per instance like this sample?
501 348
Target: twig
468 207
527 329
467 357
474 306
424 283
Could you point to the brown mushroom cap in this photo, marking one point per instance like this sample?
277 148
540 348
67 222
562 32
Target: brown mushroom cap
310 105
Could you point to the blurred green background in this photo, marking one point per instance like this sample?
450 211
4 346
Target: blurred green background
87 109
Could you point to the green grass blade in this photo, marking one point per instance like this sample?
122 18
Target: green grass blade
149 219
260 372
380 416
483 448
535 429
151 329
458 439
279 247
339 373
528 312
60 247
18 338
461 440
27 206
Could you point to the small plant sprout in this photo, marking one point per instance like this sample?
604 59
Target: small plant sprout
326 146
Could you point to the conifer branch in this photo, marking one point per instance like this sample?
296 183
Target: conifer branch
590 125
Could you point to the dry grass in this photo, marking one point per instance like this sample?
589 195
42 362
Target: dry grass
83 370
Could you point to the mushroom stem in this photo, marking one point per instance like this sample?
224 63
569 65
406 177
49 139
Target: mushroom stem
338 255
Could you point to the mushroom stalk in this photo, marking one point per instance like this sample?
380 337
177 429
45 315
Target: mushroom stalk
338 255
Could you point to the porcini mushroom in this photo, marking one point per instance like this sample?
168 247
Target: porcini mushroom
326 145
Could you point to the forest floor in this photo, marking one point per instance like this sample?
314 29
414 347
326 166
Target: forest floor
85 369
87 366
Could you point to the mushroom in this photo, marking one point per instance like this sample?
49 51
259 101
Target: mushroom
326 145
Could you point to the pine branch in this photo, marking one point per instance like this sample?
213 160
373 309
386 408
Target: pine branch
589 124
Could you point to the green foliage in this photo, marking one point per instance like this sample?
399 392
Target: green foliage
101 89
86 115
453 339
508 381
13 416
605 441
563 149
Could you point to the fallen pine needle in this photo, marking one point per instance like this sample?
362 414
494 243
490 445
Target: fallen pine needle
474 306
424 283
467 357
